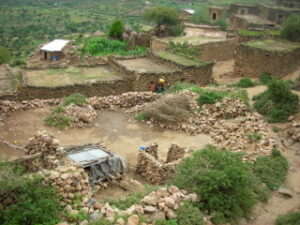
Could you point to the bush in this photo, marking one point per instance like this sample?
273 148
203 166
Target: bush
141 117
77 99
221 179
169 109
180 86
116 30
291 28
265 78
211 97
292 218
4 55
34 203
245 82
222 23
189 215
183 49
177 30
166 222
57 120
103 46
277 102
271 170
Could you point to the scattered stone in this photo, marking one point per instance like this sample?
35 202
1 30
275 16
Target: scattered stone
286 192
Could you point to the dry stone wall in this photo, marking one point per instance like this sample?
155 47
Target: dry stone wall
251 62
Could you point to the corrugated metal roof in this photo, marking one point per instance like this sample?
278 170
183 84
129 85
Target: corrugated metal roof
55 46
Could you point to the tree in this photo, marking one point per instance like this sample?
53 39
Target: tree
4 55
162 16
116 30
291 28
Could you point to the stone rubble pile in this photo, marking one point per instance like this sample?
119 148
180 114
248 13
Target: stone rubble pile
125 100
159 204
80 116
154 170
294 131
73 185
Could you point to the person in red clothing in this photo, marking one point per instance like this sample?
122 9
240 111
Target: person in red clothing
152 86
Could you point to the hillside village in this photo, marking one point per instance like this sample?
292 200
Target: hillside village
189 118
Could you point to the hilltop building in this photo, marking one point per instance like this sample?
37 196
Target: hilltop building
54 50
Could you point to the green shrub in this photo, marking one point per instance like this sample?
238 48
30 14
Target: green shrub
254 136
180 86
77 99
116 29
59 109
189 215
76 217
4 55
271 170
292 218
211 97
222 23
141 117
221 179
57 120
277 102
33 202
166 222
240 94
169 109
177 30
103 46
245 82
183 49
265 78
291 28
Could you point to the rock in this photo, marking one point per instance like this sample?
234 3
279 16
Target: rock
133 220
192 197
120 221
150 209
84 222
95 216
173 189
170 202
149 200
171 214
158 215
286 192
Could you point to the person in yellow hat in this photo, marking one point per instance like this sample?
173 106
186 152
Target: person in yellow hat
161 85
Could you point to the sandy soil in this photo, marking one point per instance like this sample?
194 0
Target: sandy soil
111 128
190 32
145 65
222 72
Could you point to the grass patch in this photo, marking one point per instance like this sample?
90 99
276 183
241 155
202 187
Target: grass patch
222 180
141 117
103 46
273 45
254 137
277 103
292 218
179 59
131 199
169 109
211 97
77 99
245 82
265 78
271 170
180 86
250 33
57 120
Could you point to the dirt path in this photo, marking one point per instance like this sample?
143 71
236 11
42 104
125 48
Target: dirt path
111 128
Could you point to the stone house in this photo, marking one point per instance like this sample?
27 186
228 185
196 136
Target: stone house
186 14
54 50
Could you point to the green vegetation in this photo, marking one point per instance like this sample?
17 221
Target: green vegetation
116 30
131 199
291 28
162 16
276 129
77 99
271 170
292 218
245 82
4 55
277 103
211 97
166 222
57 120
265 78
188 214
273 45
183 49
254 136
169 109
179 59
250 33
33 202
180 86
141 117
103 46
221 179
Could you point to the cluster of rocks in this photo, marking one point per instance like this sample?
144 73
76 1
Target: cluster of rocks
80 116
72 182
294 131
154 170
125 100
159 204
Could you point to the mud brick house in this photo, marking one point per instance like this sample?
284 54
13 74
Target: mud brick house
217 12
54 50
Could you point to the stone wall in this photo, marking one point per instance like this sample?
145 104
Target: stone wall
243 9
156 44
252 62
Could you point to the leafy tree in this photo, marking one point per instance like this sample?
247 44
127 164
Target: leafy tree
162 16
291 28
116 30
4 55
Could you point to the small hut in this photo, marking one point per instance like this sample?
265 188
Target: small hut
53 51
